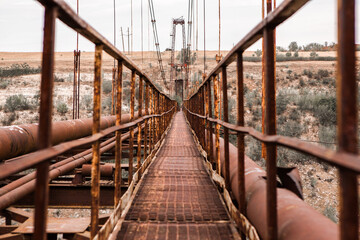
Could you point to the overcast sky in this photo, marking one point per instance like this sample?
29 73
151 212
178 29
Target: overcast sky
21 23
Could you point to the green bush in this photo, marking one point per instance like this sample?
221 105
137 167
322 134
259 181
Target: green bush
9 119
323 73
16 102
62 108
294 115
308 73
107 86
325 110
58 79
291 129
281 103
18 70
4 83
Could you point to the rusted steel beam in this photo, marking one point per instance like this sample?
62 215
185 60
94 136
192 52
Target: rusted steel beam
270 129
95 171
146 129
118 150
240 136
139 136
296 219
68 16
283 12
217 126
347 118
113 91
210 129
132 111
44 133
207 106
226 130
75 84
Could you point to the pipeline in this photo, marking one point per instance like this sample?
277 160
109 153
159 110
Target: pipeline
296 219
22 139
25 185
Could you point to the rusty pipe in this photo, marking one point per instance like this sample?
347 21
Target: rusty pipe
296 219
106 170
26 184
22 139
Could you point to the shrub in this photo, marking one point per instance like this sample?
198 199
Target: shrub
87 102
62 108
325 110
323 73
18 70
291 129
281 103
16 102
58 79
302 82
330 212
296 54
308 73
313 54
288 54
327 134
4 83
9 119
294 115
107 86
329 81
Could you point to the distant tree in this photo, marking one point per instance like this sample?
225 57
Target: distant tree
293 46
296 54
288 54
258 53
280 49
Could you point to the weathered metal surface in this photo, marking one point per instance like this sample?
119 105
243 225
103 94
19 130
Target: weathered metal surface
139 135
177 197
95 170
226 131
45 122
217 126
56 225
106 170
118 150
347 118
132 111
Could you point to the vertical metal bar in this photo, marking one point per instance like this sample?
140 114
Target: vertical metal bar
118 148
240 136
347 117
132 112
78 87
146 137
44 134
113 91
210 130
151 125
217 126
270 129
207 122
226 130
139 142
95 168
75 85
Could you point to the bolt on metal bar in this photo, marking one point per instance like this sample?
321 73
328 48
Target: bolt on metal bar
217 126
95 167
240 136
118 144
139 142
132 112
45 125
226 130
347 116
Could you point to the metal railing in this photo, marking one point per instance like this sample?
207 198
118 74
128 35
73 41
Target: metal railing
198 108
157 108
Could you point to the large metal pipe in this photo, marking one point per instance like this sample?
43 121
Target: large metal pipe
296 219
22 139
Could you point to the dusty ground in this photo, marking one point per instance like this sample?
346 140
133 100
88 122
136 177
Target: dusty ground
320 182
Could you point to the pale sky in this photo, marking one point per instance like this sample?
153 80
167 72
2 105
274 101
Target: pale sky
21 23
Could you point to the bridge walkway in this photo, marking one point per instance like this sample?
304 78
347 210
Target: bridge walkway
177 199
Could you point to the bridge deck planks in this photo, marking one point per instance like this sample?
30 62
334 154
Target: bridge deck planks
177 199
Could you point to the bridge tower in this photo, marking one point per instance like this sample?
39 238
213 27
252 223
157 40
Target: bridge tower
175 67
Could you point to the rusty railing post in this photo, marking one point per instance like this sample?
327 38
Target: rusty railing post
210 125
226 130
132 113
118 148
347 118
208 153
270 129
217 126
113 91
45 126
240 136
146 142
95 168
138 161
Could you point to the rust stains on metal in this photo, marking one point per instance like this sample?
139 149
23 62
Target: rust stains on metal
132 111
118 150
217 126
95 170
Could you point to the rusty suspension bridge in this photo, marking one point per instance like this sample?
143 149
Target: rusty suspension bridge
181 161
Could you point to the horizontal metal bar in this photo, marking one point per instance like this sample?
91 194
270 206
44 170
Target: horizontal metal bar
284 11
338 159
23 163
69 17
